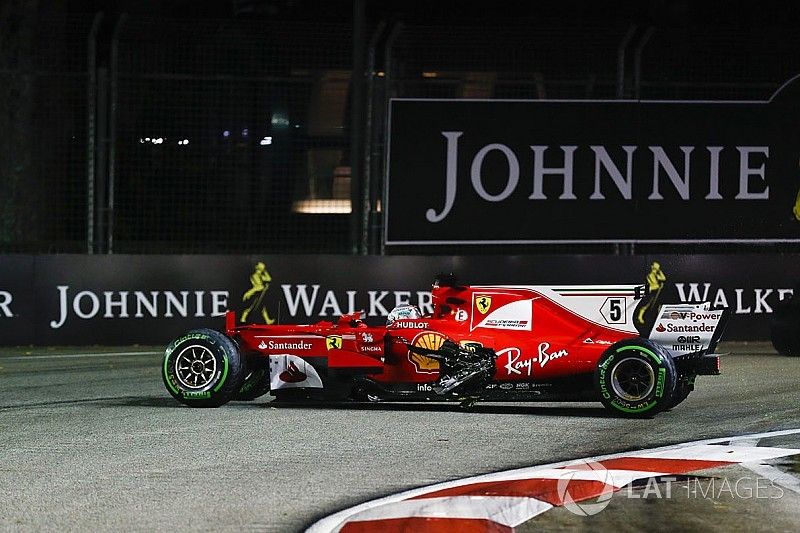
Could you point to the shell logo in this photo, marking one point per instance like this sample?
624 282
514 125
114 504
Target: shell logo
431 341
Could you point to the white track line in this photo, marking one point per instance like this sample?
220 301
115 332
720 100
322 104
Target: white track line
509 511
74 356
686 450
774 474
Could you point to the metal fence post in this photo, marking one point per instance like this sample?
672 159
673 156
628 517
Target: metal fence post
357 130
91 134
112 131
623 46
101 162
637 61
369 186
387 95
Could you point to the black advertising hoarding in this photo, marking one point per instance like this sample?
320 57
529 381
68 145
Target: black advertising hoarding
119 299
17 299
126 299
521 172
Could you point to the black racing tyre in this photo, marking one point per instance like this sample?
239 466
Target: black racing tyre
203 368
785 325
682 391
784 340
636 378
255 385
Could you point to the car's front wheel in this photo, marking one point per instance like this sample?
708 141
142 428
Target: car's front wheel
636 378
202 368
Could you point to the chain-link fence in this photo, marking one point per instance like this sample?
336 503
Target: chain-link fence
543 60
234 136
718 63
43 84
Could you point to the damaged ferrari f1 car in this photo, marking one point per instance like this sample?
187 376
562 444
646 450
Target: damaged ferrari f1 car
477 343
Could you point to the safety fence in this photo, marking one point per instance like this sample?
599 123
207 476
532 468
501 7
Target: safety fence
209 136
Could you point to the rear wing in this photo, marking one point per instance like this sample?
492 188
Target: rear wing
689 328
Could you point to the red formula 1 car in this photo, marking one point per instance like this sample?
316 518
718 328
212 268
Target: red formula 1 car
493 343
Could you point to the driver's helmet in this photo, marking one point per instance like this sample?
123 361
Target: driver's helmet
402 312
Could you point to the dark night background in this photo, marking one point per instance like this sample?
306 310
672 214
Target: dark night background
236 126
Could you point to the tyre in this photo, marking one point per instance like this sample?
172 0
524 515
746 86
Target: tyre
255 385
784 339
636 378
202 368
785 326
682 391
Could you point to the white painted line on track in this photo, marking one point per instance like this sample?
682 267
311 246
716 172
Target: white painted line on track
508 511
75 355
708 450
774 474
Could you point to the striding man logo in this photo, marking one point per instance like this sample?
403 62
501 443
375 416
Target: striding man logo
259 281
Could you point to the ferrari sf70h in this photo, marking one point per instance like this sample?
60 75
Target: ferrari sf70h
477 343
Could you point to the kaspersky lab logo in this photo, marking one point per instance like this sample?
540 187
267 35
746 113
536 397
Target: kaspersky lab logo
259 281
577 487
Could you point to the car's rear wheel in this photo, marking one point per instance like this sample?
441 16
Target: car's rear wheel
636 378
784 339
682 390
202 368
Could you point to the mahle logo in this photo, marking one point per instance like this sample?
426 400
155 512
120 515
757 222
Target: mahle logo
259 281
577 487
483 303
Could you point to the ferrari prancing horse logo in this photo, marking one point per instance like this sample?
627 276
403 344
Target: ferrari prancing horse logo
483 303
333 342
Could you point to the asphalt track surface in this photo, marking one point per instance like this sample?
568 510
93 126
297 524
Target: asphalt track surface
90 441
